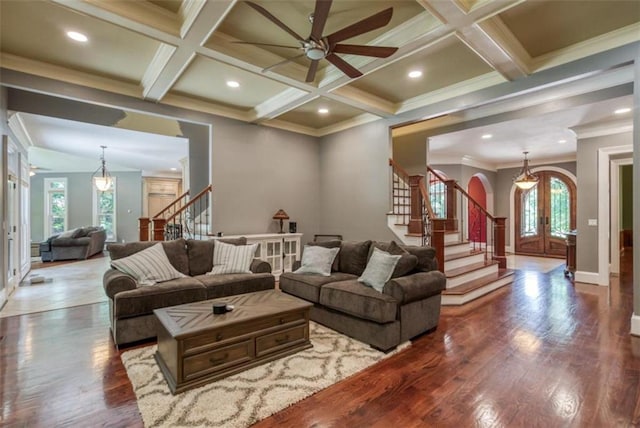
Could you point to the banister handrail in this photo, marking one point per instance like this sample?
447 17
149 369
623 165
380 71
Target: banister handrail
425 197
191 202
404 174
464 192
168 207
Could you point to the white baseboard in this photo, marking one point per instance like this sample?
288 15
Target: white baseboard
588 277
635 325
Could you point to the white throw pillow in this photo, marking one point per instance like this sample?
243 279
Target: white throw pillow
148 266
317 260
228 258
379 269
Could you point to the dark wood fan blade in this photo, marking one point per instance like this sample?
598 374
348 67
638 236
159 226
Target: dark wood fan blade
311 74
320 16
377 51
373 22
273 19
344 66
267 44
281 63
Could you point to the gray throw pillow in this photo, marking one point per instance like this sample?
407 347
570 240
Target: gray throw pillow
317 260
72 233
379 269
407 262
330 244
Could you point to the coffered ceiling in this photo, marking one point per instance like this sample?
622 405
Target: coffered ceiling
183 53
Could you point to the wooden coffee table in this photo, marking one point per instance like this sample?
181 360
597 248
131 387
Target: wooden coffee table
196 347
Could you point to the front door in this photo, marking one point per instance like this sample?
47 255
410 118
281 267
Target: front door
544 214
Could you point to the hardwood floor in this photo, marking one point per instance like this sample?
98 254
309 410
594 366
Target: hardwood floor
539 353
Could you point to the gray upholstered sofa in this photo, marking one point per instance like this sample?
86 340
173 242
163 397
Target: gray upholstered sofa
79 244
131 306
408 305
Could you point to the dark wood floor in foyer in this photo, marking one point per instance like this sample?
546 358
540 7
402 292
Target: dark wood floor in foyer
539 353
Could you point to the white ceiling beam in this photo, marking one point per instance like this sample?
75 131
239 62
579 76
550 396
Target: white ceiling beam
482 42
209 17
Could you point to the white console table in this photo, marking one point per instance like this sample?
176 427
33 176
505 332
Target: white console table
280 250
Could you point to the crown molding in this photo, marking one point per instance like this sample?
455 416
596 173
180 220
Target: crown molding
601 129
55 72
285 101
604 42
145 13
538 162
189 11
356 121
17 126
158 63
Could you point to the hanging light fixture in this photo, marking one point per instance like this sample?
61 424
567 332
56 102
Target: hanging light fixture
101 178
525 179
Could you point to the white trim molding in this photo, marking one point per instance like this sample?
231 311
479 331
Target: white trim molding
635 324
615 212
588 277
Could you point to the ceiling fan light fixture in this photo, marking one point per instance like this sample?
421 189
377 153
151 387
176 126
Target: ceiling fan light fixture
525 180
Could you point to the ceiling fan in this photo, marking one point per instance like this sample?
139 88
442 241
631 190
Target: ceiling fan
317 47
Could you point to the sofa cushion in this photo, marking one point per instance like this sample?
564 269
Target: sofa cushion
417 286
317 260
176 251
236 283
335 267
308 286
353 257
148 267
379 269
426 257
201 253
71 242
228 258
143 300
407 262
354 298
71 233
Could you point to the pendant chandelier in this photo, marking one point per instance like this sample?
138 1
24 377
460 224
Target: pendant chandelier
101 178
525 180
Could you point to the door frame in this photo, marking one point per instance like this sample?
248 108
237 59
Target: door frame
615 213
512 209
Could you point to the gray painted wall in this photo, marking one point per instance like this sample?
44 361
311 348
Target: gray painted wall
410 152
257 171
355 182
626 197
4 130
79 194
587 204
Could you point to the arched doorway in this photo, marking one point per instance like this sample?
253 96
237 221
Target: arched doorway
476 219
544 214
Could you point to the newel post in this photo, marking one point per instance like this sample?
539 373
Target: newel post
438 229
499 242
452 209
415 212
158 229
143 228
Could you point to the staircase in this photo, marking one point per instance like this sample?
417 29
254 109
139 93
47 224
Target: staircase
473 267
185 217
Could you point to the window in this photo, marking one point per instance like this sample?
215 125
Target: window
55 205
529 213
560 220
104 210
438 198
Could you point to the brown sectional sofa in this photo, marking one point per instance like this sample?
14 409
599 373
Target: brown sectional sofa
408 306
131 306
75 244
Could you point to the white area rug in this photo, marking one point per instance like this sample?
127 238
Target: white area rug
245 398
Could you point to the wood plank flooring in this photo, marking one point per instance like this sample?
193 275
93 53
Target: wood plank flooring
541 352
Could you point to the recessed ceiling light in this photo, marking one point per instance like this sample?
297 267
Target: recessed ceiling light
323 110
562 141
486 136
78 37
174 169
415 74
233 84
622 110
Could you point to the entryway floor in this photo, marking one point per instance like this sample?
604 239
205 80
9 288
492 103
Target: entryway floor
70 284
538 264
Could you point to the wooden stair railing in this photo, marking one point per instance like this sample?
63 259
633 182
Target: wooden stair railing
183 223
145 223
418 214
483 228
